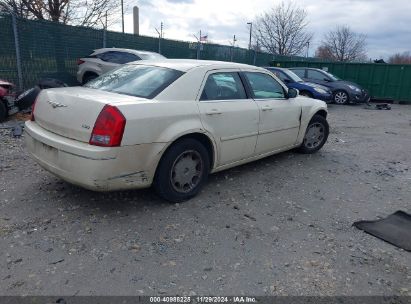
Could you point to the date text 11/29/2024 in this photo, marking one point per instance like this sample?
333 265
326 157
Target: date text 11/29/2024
202 299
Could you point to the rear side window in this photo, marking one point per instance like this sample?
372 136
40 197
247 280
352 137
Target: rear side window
263 86
136 80
223 86
312 74
280 75
118 57
299 72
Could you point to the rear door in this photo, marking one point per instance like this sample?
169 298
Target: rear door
279 116
229 115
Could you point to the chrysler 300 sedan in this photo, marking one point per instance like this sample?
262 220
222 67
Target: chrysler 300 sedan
169 124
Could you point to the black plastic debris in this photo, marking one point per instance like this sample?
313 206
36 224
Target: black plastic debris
394 229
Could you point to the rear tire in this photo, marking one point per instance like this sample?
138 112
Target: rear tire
3 111
315 136
182 171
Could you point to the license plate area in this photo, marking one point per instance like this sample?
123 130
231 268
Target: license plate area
46 153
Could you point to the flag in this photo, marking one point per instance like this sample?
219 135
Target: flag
204 38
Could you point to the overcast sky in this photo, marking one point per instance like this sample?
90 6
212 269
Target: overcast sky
387 23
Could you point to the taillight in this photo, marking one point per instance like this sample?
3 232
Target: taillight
32 110
79 61
109 128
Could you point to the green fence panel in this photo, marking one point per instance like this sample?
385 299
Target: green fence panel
383 81
8 63
50 49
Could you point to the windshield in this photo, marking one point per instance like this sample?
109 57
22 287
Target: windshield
136 80
333 77
150 56
292 75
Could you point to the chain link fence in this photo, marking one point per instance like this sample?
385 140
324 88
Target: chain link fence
31 50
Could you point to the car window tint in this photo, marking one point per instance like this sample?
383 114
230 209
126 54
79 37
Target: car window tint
118 57
223 86
280 75
299 72
313 74
264 86
136 80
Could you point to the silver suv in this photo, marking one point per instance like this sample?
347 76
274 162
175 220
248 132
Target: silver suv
104 60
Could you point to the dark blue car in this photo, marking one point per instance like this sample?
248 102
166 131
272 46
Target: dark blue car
307 89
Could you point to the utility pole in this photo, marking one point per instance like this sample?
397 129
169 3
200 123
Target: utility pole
122 15
160 36
251 30
232 48
308 47
199 46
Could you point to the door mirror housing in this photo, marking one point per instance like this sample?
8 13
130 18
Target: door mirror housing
292 93
286 80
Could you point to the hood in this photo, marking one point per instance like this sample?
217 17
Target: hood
348 83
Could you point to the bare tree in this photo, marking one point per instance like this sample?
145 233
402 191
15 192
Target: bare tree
400 58
75 12
342 44
14 7
282 31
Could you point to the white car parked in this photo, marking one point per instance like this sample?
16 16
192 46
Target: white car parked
107 59
170 123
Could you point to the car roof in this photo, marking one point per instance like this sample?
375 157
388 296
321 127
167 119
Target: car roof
306 68
187 64
137 52
275 68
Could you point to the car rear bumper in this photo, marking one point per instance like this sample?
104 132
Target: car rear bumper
92 167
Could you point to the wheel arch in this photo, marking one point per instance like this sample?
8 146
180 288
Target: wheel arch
322 113
203 138
88 73
306 92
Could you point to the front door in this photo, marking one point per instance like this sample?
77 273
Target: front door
279 116
229 115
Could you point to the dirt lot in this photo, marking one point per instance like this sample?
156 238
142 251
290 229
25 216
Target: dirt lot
279 226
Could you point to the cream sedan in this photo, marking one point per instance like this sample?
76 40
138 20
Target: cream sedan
169 124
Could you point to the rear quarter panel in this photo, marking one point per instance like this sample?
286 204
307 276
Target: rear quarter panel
159 121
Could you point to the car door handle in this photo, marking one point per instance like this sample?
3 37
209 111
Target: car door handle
214 112
266 108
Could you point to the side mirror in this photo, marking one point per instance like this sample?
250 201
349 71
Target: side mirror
286 80
292 93
327 79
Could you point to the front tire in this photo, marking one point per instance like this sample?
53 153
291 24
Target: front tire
315 136
182 171
341 97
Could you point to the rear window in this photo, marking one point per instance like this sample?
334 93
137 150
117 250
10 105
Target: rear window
151 56
136 80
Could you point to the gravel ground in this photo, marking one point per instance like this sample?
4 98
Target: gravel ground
278 226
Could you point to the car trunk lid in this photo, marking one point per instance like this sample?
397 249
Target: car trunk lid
72 112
